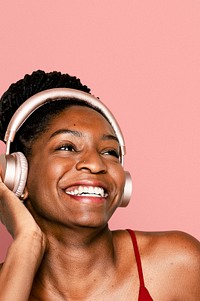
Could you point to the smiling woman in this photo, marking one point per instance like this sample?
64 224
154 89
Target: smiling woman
60 185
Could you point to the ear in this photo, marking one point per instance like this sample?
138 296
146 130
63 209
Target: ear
24 195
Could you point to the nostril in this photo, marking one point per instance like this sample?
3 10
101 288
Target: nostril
92 162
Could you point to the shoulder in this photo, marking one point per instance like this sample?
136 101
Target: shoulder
175 257
169 240
170 262
180 245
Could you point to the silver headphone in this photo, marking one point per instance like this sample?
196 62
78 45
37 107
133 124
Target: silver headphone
15 166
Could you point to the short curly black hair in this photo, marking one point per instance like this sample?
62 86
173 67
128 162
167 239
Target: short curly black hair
20 91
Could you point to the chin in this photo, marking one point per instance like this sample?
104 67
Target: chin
92 223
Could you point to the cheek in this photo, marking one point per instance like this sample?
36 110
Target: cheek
41 186
119 177
45 174
38 176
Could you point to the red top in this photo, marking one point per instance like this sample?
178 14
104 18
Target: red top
143 292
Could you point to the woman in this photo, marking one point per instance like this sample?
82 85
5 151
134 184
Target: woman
62 247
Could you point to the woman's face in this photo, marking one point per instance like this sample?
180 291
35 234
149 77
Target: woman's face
75 177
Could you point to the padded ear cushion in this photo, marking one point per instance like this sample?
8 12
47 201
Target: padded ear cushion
14 171
22 171
127 190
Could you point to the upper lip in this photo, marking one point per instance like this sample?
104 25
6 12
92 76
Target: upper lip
86 183
86 190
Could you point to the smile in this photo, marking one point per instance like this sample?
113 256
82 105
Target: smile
87 191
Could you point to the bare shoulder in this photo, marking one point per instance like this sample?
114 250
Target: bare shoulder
163 243
182 246
170 263
170 240
174 257
166 240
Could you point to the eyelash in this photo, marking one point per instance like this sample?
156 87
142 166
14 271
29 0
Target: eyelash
71 148
67 147
113 153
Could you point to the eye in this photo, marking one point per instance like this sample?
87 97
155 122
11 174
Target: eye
112 152
67 147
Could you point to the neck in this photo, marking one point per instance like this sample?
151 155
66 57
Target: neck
77 256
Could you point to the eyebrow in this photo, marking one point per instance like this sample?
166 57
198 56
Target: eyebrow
66 131
80 134
110 137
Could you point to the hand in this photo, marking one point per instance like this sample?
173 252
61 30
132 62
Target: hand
15 216
26 251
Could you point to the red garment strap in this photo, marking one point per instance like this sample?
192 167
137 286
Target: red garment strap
137 256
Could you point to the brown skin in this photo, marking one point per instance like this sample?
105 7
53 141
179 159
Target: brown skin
70 253
88 160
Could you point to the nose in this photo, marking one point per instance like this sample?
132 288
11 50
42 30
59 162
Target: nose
92 162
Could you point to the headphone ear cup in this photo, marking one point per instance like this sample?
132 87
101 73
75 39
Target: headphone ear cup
14 171
22 170
126 197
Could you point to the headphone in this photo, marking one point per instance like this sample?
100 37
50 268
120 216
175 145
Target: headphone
15 167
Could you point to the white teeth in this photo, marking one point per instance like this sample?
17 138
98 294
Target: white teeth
88 191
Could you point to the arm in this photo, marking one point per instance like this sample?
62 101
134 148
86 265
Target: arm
26 251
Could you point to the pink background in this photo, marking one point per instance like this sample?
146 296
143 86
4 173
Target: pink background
142 58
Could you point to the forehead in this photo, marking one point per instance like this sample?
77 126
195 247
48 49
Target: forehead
81 115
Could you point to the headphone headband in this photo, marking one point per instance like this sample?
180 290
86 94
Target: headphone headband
39 99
